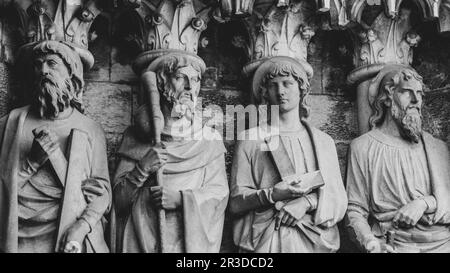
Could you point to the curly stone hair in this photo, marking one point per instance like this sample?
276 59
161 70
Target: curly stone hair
73 64
389 82
286 70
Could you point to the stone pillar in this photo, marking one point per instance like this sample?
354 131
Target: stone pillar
155 26
383 33
277 28
67 21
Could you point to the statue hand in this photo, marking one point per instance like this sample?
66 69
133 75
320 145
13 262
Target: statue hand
165 198
74 236
45 142
373 246
409 215
285 190
154 159
291 213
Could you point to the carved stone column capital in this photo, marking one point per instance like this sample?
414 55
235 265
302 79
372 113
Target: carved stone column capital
383 33
276 28
157 27
66 21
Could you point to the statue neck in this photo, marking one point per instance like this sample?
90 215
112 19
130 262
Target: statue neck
389 126
177 128
66 113
288 121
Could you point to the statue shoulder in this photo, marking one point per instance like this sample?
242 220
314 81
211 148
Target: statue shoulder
131 145
258 133
321 134
438 143
360 144
92 127
210 133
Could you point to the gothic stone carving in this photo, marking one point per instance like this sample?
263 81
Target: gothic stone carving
53 157
397 174
170 186
275 195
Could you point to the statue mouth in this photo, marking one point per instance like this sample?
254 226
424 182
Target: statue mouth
185 95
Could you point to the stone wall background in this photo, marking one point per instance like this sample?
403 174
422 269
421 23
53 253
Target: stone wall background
111 93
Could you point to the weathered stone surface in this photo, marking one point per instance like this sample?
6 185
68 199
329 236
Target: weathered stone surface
110 105
334 115
121 71
437 114
4 88
101 70
111 94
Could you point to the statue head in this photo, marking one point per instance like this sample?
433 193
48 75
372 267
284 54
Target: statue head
57 79
178 79
400 95
282 81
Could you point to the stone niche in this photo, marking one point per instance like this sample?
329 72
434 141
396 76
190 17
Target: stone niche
338 37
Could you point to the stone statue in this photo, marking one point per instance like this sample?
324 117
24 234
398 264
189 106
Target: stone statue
398 175
193 188
53 161
276 208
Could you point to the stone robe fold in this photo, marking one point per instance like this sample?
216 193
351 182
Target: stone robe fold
384 174
253 173
194 167
18 217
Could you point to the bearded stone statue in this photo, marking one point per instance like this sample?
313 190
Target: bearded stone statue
53 166
193 188
398 175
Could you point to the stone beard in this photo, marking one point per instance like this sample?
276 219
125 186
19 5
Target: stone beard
397 174
52 95
408 118
193 185
180 83
409 121
34 164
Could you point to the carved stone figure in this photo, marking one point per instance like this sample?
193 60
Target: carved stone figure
53 162
194 188
398 175
170 187
287 198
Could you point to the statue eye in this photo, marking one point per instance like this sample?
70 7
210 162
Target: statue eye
51 63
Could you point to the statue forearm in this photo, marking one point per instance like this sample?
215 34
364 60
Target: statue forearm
313 201
431 203
97 192
26 171
250 199
359 226
126 188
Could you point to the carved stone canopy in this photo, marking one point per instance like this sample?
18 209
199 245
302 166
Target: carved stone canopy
67 21
281 28
165 27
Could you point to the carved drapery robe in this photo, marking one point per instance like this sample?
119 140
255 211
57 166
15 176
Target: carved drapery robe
384 174
253 173
194 167
30 202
